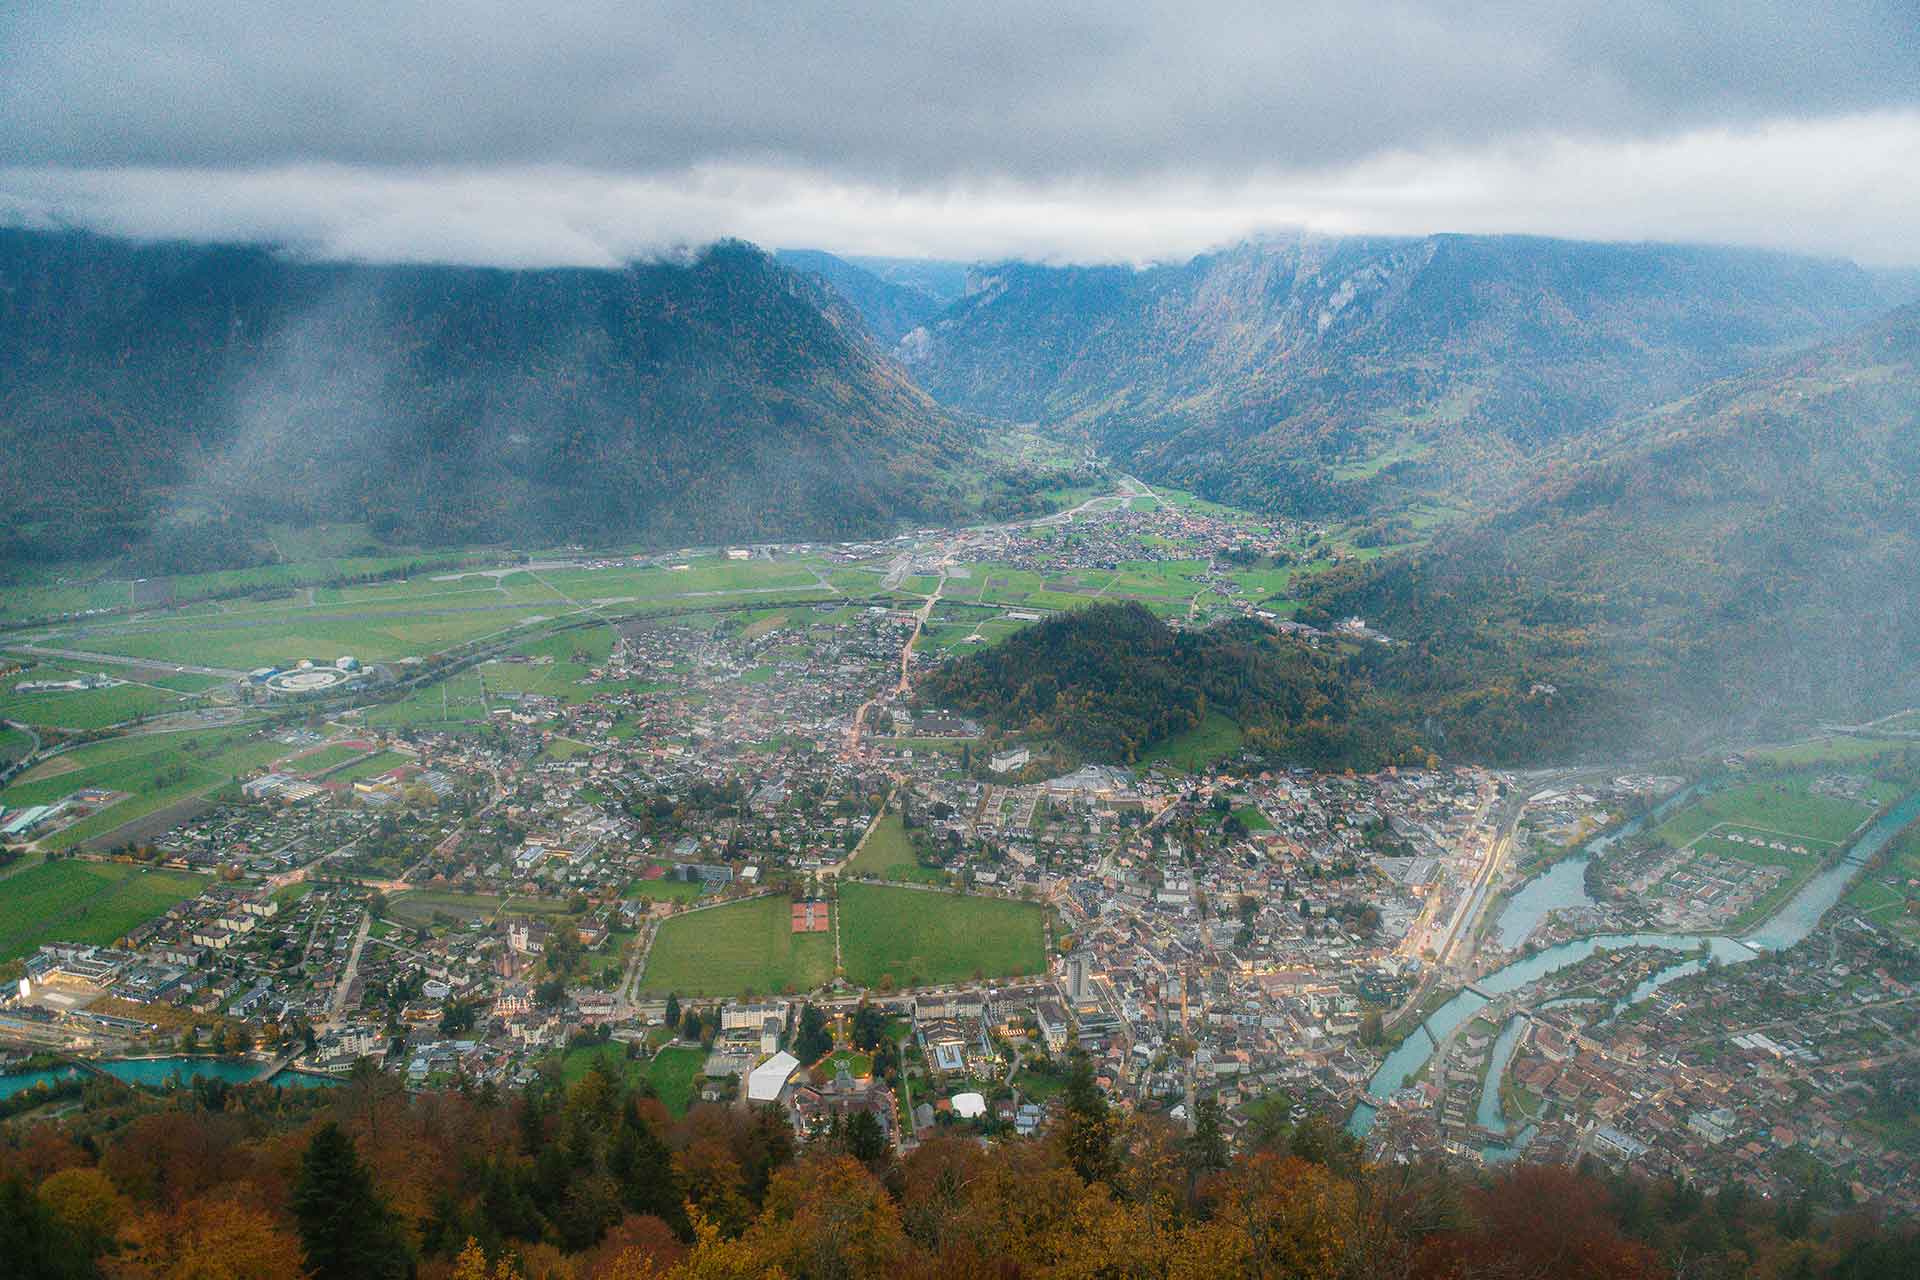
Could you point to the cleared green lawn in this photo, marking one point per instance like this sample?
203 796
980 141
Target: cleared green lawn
743 946
85 902
675 1075
577 1062
13 744
888 853
922 938
1840 750
664 889
1214 738
418 906
1252 819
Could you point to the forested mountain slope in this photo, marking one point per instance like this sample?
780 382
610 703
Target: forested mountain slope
1743 559
1334 376
218 388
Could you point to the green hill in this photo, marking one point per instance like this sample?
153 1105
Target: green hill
1113 682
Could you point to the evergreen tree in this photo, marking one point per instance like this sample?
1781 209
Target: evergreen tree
813 1040
1207 1144
673 1010
346 1229
1088 1132
866 1140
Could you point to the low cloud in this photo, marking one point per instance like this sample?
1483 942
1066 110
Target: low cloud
1845 186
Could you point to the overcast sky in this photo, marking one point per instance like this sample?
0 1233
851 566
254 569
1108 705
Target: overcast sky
585 132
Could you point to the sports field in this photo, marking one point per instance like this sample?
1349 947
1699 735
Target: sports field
918 937
86 902
740 947
664 889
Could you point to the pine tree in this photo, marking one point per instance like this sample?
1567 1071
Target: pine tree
346 1229
1207 1145
673 1010
1088 1133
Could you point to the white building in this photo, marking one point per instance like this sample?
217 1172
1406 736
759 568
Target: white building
770 1077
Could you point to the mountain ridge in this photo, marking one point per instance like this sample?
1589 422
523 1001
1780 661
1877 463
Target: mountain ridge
1260 373
721 397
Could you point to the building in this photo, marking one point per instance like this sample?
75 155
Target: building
770 1077
1008 761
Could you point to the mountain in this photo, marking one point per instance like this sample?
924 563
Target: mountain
943 281
889 309
213 388
1336 376
1742 560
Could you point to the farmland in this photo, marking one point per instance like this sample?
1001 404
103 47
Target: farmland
919 937
151 771
1889 894
1783 807
85 902
740 947
86 708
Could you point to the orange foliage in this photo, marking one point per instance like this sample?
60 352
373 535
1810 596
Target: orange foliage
216 1237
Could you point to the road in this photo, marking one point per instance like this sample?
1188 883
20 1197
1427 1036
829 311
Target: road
337 1005
112 659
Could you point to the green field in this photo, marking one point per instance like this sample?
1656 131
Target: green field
454 701
85 902
1840 750
372 767
13 744
1785 807
888 854
328 758
575 1063
1252 819
664 890
155 770
675 1075
921 938
84 708
417 907
740 947
1889 895
1212 739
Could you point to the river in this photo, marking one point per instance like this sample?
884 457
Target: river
1789 925
155 1072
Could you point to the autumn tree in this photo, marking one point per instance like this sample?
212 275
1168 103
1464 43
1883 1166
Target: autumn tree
225 1236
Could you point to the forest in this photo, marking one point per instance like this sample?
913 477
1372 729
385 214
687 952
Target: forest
1111 681
596 1181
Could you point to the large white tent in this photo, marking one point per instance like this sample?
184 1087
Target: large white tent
770 1077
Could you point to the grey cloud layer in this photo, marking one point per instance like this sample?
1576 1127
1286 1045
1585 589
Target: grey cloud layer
913 94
